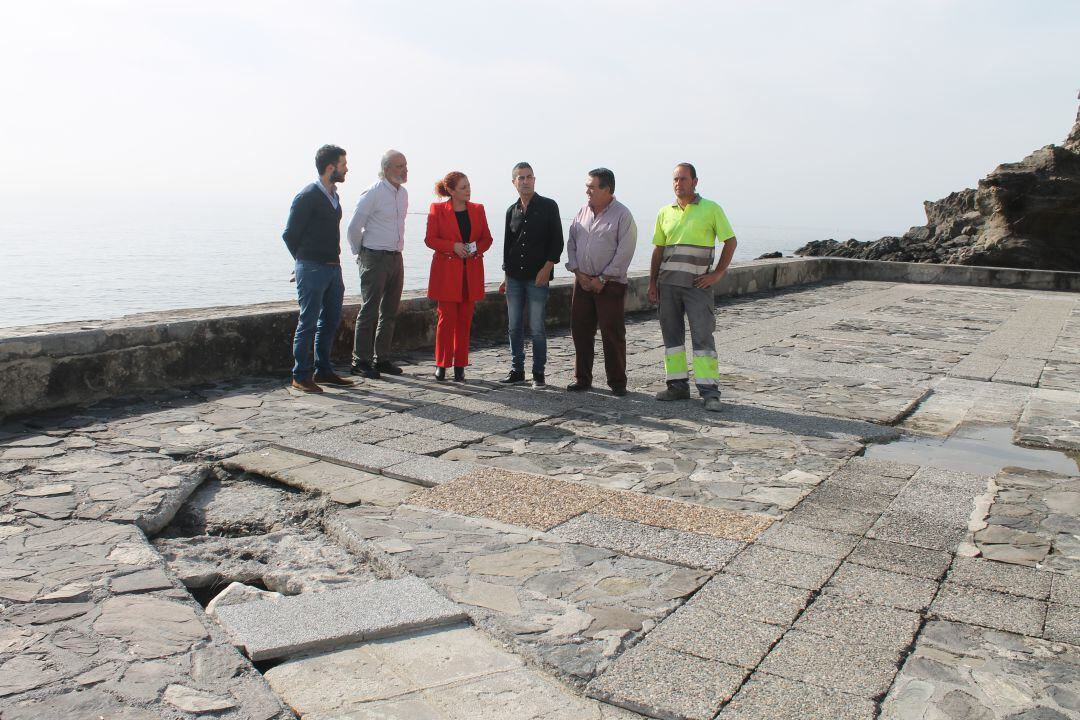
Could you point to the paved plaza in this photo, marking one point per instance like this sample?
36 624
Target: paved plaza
411 549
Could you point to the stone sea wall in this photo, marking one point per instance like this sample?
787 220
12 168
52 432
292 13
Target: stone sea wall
50 366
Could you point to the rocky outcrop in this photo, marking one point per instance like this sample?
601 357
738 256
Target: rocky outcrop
1024 215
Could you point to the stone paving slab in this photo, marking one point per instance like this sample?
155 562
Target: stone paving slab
989 609
903 559
428 471
751 598
305 623
802 539
797 569
445 674
768 697
630 538
859 622
339 449
661 512
932 511
720 636
961 671
881 587
662 683
999 577
834 663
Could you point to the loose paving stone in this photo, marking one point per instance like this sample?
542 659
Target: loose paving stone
768 697
989 609
799 538
662 683
375 490
728 638
629 538
141 581
444 674
882 587
1000 577
904 559
783 566
195 701
305 623
859 622
753 599
836 663
338 448
959 670
265 462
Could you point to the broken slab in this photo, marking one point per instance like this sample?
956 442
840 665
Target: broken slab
317 621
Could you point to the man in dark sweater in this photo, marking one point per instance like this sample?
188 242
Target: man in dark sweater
532 244
313 236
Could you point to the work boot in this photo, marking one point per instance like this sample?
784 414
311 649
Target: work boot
712 403
514 377
365 368
673 392
385 366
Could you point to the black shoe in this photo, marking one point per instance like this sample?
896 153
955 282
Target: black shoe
440 374
538 380
514 377
366 369
618 392
459 374
579 386
385 366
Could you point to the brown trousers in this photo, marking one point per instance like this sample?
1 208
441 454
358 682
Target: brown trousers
606 310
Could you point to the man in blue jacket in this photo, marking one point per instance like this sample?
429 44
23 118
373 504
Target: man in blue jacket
313 236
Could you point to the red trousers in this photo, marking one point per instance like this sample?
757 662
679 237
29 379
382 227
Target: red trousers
452 334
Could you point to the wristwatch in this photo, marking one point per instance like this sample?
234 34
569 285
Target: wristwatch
602 279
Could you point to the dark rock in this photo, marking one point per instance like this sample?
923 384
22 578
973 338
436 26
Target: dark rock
1023 215
770 255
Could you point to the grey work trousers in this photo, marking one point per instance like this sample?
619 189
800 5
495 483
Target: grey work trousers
382 276
677 305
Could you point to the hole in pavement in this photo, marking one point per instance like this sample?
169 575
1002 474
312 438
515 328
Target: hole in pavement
976 449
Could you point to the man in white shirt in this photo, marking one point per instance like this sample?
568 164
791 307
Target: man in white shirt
377 237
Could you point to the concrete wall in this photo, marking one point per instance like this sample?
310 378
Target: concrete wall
50 366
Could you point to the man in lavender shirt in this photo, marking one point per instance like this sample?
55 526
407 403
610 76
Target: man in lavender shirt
601 244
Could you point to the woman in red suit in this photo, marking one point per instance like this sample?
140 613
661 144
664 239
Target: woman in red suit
457 231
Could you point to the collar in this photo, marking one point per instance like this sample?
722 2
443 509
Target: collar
695 201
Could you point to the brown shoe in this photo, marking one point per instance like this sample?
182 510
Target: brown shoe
332 379
306 386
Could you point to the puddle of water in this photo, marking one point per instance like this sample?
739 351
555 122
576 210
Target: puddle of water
979 450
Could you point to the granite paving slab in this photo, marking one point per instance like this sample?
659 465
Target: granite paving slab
999 611
728 638
802 539
315 621
630 538
961 671
834 663
662 683
1062 623
932 511
859 622
752 599
904 559
687 517
1000 577
797 569
768 697
823 517
1065 589
428 471
337 448
882 587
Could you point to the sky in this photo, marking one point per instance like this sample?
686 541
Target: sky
835 118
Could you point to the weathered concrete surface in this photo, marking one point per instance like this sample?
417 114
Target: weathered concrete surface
549 520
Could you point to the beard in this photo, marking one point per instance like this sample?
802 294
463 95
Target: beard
337 176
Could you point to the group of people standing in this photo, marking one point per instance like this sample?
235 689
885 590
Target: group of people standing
599 248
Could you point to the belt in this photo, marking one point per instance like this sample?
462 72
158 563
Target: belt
385 252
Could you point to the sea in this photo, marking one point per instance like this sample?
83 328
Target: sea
97 264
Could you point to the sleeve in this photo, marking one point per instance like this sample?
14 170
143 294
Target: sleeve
506 238
659 236
722 226
299 214
624 248
571 246
359 220
432 238
555 236
484 239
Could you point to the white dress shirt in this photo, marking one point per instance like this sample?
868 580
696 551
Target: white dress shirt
379 220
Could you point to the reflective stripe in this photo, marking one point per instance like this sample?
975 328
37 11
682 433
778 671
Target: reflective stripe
675 364
706 368
684 267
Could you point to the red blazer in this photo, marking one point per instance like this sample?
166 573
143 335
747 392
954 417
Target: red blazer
446 267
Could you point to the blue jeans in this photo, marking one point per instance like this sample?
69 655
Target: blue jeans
517 292
320 290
